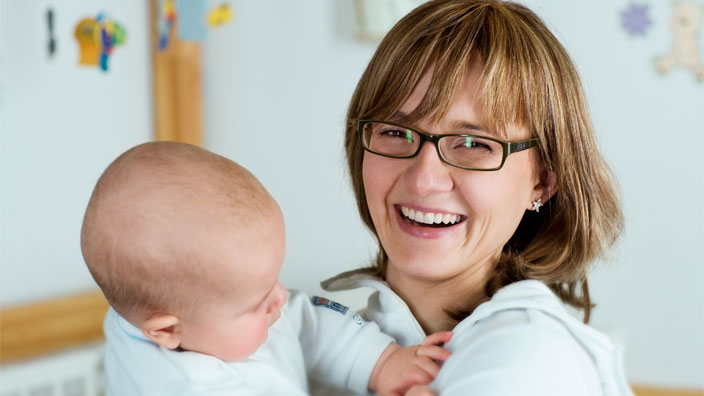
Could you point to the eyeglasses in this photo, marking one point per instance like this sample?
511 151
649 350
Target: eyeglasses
469 152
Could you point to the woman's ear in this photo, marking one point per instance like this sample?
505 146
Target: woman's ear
163 329
546 187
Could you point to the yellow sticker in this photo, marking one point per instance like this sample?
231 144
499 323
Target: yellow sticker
220 15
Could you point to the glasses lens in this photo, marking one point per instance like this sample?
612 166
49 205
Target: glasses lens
471 151
390 139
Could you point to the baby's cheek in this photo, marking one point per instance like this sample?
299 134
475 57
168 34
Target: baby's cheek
264 331
258 335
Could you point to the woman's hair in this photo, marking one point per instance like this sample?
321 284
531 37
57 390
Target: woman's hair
528 79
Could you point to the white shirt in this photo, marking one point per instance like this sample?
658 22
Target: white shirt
521 342
333 346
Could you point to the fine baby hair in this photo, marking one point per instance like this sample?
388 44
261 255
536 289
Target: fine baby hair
152 214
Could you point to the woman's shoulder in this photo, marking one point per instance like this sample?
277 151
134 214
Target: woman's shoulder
517 352
520 337
523 341
531 305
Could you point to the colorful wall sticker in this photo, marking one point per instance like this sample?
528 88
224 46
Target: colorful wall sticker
112 34
686 24
635 19
167 17
88 35
220 15
97 37
191 19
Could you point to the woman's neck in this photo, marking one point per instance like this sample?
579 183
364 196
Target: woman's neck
431 300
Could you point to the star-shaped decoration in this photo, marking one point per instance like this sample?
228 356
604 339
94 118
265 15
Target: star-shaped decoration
537 204
636 19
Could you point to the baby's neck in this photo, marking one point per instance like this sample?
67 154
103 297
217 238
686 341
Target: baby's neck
430 301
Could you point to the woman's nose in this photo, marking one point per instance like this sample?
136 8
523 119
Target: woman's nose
428 174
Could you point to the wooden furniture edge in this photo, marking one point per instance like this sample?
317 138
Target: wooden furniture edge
45 327
652 391
177 82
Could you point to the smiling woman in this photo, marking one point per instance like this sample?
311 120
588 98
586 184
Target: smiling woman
468 119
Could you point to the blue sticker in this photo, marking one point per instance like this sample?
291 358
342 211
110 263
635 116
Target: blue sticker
324 302
191 19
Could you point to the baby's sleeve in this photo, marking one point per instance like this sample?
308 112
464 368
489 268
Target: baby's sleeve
339 347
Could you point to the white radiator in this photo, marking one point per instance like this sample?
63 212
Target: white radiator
76 372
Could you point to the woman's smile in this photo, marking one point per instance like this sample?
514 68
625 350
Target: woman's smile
427 223
429 218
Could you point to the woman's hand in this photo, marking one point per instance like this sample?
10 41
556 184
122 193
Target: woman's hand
399 369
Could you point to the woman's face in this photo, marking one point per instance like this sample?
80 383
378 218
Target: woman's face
488 205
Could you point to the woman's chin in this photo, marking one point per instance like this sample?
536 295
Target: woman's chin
423 267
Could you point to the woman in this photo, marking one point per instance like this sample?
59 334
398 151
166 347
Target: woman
474 164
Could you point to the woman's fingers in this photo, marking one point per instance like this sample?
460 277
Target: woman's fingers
438 338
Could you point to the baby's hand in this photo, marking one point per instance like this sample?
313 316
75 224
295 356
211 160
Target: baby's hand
420 390
398 369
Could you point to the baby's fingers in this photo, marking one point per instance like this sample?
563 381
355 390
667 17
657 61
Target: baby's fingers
428 366
437 338
420 390
434 352
419 373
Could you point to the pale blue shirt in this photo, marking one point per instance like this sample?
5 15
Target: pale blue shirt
521 342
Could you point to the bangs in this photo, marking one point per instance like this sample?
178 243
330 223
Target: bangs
513 86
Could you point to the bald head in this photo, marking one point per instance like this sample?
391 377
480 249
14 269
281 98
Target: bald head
153 214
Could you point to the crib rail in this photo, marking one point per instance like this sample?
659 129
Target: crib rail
43 328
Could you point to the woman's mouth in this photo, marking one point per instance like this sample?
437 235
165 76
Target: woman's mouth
429 219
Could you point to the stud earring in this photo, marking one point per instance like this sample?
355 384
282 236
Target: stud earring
537 204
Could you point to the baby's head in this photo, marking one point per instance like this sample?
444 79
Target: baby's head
187 246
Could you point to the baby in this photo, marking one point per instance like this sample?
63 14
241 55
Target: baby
187 247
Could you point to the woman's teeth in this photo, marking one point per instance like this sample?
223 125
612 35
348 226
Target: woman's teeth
430 218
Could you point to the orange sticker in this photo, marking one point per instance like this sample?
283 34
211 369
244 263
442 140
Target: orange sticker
88 35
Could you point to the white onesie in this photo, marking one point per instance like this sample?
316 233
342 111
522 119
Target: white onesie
324 340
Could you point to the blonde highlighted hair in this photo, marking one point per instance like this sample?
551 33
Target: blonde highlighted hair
528 79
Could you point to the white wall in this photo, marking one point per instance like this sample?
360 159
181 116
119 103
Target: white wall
61 125
278 81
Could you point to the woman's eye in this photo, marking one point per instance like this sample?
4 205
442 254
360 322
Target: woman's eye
396 133
471 143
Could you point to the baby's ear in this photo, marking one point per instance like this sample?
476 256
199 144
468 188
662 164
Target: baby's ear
163 329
